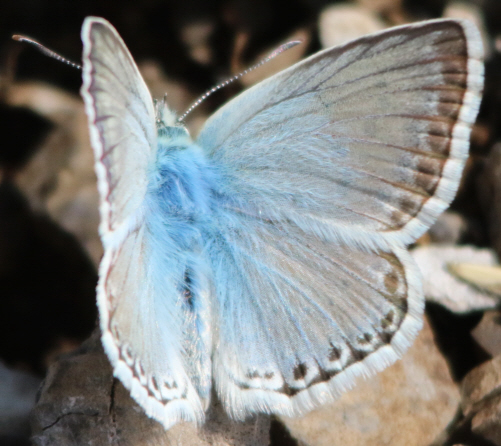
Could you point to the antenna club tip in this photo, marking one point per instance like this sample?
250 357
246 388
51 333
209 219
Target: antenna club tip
17 37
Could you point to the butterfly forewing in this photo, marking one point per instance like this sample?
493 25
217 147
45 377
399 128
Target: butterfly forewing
122 116
363 142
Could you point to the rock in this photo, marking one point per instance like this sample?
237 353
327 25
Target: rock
449 228
196 36
343 22
442 287
17 397
392 10
481 400
409 403
479 384
59 178
490 195
487 422
488 332
81 403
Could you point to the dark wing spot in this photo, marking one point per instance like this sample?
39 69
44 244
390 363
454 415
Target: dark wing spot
170 386
365 339
300 371
391 282
356 355
154 383
140 369
252 374
409 206
429 171
334 353
127 355
388 320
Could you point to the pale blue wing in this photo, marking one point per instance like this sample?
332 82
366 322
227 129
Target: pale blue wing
330 168
156 340
362 143
300 318
122 122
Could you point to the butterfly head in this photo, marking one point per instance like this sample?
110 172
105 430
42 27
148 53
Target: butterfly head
164 116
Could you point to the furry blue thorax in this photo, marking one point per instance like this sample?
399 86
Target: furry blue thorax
181 186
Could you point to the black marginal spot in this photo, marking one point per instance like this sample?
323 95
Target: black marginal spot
334 353
127 355
150 391
252 374
357 355
300 371
322 376
386 337
154 382
139 369
286 389
404 306
365 339
170 386
388 320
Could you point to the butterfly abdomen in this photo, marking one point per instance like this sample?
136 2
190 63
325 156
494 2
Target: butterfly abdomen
178 207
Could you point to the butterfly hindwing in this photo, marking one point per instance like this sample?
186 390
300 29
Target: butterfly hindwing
309 316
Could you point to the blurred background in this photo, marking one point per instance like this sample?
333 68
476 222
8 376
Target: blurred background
49 246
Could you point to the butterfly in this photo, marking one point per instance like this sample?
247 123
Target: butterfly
266 262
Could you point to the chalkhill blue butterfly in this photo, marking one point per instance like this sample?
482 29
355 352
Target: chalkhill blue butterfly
266 261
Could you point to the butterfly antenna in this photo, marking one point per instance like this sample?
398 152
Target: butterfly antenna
274 54
43 49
